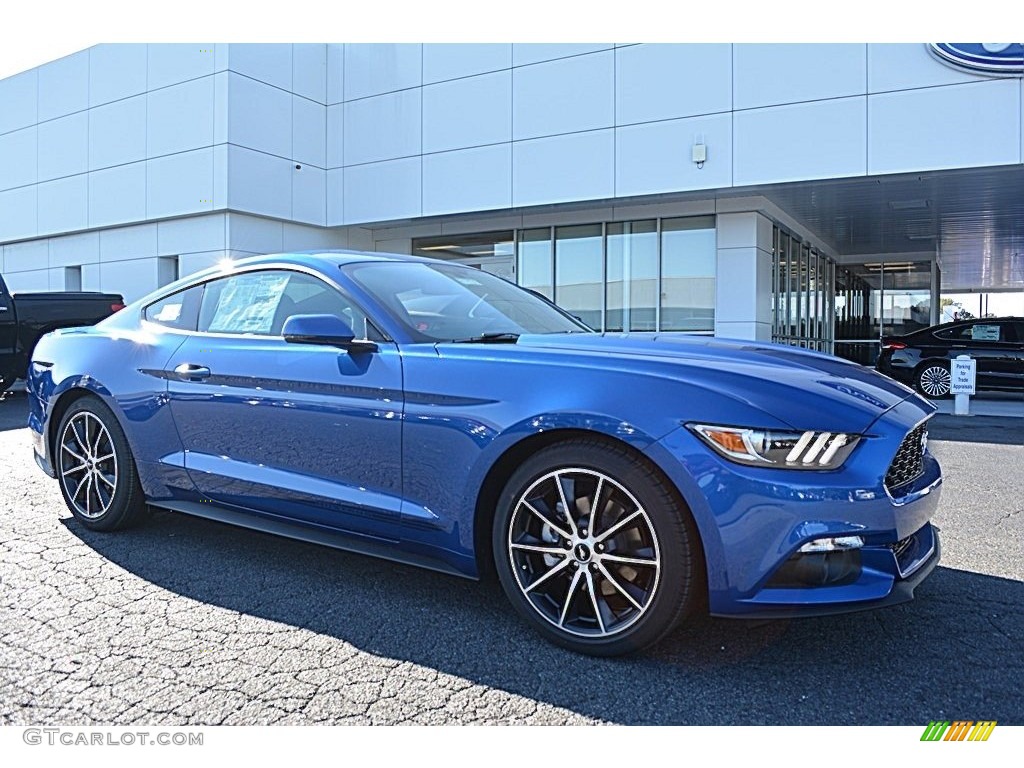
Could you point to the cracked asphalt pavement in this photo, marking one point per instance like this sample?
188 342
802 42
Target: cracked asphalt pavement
185 621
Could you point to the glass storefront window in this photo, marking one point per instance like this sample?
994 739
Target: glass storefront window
579 272
632 276
688 274
535 261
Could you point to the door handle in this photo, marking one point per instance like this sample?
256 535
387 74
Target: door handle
191 372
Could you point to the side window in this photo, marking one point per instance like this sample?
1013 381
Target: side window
988 332
260 303
179 310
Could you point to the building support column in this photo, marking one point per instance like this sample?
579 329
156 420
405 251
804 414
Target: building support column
743 285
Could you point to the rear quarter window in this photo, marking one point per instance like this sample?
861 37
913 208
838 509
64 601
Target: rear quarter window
179 310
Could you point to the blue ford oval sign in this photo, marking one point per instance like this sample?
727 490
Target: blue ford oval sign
988 58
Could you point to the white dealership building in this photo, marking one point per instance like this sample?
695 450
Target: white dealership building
815 194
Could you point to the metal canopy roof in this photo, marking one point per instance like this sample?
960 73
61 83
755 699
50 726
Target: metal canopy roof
974 218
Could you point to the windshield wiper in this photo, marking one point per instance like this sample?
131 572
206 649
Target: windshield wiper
504 337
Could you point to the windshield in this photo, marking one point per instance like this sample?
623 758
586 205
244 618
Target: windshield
452 302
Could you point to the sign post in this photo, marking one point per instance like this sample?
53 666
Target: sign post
963 374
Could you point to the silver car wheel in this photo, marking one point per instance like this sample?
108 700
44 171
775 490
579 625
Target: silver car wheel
935 381
87 464
584 552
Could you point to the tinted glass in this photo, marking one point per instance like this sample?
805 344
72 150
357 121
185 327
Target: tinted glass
688 261
447 302
179 310
974 332
259 303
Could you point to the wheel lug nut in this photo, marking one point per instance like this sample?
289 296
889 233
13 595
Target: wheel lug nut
583 532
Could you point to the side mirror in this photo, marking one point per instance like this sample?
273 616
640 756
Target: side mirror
328 330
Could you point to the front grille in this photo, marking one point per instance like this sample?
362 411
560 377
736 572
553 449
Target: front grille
909 462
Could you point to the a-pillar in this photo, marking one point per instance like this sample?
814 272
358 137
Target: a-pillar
743 288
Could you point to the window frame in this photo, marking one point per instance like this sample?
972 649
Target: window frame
269 267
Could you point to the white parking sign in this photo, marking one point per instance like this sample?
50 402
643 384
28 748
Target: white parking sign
962 375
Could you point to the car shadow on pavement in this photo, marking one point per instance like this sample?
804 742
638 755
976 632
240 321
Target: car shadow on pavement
953 653
13 410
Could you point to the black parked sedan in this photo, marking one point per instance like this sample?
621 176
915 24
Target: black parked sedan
921 359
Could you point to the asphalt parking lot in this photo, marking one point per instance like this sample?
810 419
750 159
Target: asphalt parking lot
184 621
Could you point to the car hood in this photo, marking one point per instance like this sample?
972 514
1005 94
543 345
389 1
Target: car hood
807 390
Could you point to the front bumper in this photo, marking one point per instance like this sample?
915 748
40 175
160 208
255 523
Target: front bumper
754 521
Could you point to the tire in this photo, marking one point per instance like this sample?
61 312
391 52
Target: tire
95 468
933 380
603 592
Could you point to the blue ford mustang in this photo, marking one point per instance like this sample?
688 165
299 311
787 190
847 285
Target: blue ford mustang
434 414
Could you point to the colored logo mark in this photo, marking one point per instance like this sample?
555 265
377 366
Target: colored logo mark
988 58
958 730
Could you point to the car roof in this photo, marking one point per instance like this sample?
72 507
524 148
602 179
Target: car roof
333 256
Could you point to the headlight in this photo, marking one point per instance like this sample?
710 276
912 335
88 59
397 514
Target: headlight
782 450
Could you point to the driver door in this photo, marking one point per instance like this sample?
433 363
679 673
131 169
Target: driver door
307 432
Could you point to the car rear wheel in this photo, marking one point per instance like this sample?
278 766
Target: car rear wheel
95 468
933 380
595 549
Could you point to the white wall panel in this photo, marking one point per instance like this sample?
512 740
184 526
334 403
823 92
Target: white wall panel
194 262
64 146
117 195
467 180
117 133
302 238
20 96
259 183
656 157
383 191
772 73
382 127
309 71
487 97
18 158
22 257
530 53
269 63
335 136
260 116
815 140
335 73
123 243
900 66
64 205
179 184
132 279
309 195
64 86
18 213
446 61
220 176
170 63
255 235
27 282
309 132
91 278
574 167
73 250
659 81
375 68
198 233
180 118
221 107
563 96
116 71
335 197
955 126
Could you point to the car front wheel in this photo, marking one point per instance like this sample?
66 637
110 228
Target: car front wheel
595 549
95 469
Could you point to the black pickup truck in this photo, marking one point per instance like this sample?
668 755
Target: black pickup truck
27 316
